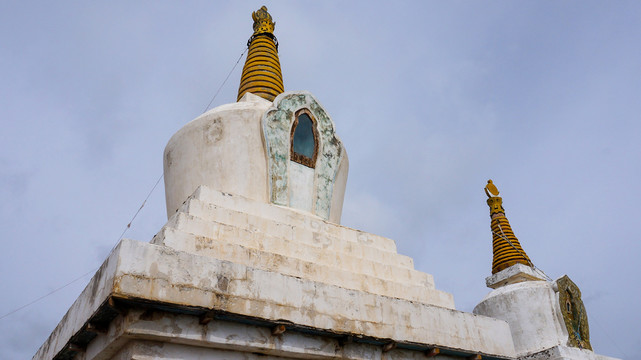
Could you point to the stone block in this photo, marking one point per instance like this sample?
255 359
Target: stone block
209 213
565 353
158 274
514 274
192 234
290 217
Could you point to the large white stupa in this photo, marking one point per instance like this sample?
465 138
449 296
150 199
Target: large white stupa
254 264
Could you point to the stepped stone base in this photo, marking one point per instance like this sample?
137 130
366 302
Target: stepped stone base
225 271
230 227
138 336
566 353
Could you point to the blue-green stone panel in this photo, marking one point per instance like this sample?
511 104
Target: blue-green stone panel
277 123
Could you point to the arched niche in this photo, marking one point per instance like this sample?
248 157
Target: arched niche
304 139
279 124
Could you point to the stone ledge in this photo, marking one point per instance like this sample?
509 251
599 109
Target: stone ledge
354 258
354 279
172 336
514 274
242 228
305 229
380 267
561 352
161 275
292 217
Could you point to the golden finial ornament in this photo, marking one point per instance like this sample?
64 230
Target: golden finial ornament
261 73
263 21
505 246
491 190
493 200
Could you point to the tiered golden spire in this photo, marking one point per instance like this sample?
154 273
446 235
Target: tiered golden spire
506 247
261 73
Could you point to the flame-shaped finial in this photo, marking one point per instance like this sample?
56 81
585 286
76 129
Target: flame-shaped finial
491 190
494 201
263 21
505 246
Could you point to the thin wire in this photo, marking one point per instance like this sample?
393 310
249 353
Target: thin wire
223 84
550 280
133 217
50 293
141 206
609 337
95 269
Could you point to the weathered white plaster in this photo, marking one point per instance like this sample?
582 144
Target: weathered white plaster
159 274
566 353
315 271
286 221
301 187
531 308
226 234
514 274
294 234
223 149
243 148
159 335
339 191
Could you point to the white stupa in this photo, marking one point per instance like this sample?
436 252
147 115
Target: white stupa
253 262
547 318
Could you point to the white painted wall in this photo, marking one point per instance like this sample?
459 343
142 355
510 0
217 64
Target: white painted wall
532 311
339 190
301 187
222 149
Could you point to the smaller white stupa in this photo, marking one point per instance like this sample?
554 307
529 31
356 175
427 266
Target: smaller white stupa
547 318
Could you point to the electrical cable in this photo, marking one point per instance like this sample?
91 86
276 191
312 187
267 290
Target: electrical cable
132 219
224 81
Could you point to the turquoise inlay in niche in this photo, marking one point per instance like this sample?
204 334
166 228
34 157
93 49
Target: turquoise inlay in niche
304 136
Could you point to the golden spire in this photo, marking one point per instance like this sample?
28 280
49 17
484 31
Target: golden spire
506 247
261 73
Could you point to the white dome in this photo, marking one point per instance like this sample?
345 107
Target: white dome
240 148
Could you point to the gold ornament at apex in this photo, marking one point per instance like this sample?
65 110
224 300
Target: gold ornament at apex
263 21
261 74
506 249
493 200
490 189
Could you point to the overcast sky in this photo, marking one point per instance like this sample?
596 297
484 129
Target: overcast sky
431 99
